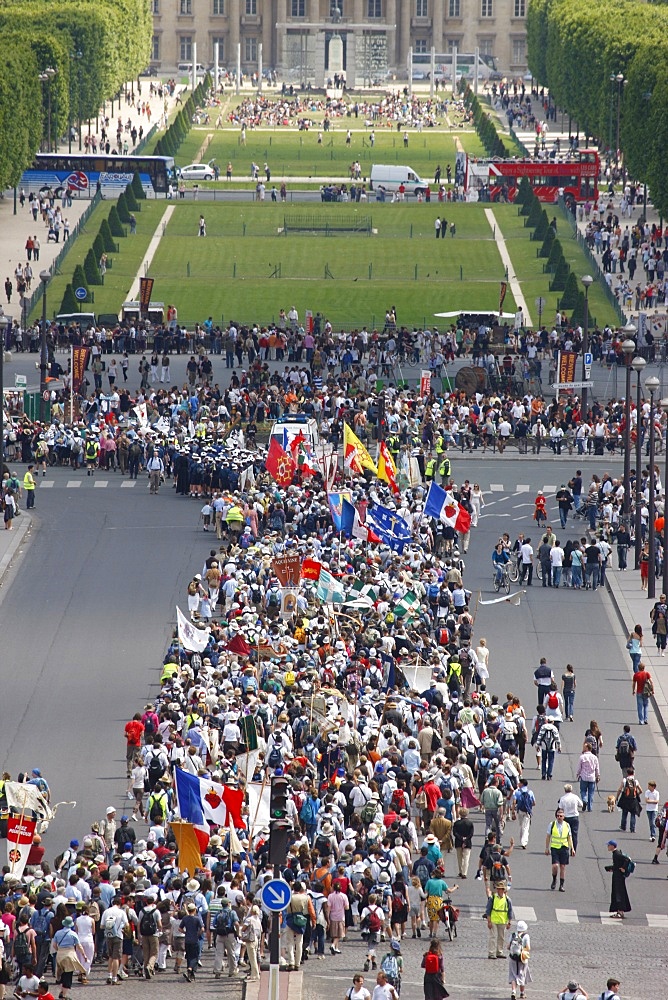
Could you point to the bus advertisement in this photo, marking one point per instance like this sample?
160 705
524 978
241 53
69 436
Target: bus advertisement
574 177
82 173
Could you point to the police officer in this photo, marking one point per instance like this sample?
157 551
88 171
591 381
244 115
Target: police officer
430 469
92 452
444 468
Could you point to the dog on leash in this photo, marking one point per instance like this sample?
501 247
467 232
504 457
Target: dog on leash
612 802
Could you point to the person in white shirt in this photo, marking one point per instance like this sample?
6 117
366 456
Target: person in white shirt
383 990
557 562
652 799
526 562
358 990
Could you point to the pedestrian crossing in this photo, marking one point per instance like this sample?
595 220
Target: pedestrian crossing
90 483
566 915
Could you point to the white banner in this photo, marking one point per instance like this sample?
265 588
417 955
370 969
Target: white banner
194 639
26 798
258 806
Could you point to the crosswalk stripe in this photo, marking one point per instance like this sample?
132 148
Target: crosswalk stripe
128 486
608 919
46 485
657 920
100 484
73 484
567 916
525 913
522 488
496 487
549 489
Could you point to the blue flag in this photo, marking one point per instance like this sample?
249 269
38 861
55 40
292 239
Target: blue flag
389 526
336 507
348 512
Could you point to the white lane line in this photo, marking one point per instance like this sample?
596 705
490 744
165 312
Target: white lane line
549 489
73 484
46 486
522 488
525 913
150 253
128 486
515 286
501 499
657 920
496 487
100 484
519 518
567 916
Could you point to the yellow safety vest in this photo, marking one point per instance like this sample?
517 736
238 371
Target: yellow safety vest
557 839
499 914
430 468
28 481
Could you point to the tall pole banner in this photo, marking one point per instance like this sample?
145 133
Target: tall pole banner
20 831
79 362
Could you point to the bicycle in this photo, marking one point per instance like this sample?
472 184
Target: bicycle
503 582
514 567
449 915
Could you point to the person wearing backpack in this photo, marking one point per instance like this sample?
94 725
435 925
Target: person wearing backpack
548 743
433 983
134 730
629 800
524 803
372 921
643 689
519 948
392 964
24 947
625 750
114 922
157 763
308 814
226 931
621 867
150 928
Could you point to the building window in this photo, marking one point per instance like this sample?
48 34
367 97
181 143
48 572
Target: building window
221 48
374 8
520 8
155 6
218 8
186 48
155 48
453 43
185 6
251 7
486 46
250 46
487 8
420 45
519 51
454 8
336 8
421 8
298 8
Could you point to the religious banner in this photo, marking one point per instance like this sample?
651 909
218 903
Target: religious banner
287 567
20 832
425 384
145 292
288 602
79 362
566 367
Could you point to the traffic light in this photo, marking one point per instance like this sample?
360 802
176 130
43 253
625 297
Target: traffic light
278 800
278 841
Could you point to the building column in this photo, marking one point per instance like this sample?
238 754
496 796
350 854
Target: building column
235 26
268 34
438 25
403 33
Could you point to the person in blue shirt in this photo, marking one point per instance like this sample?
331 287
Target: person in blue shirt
500 558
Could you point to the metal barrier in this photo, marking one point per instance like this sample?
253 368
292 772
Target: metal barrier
594 264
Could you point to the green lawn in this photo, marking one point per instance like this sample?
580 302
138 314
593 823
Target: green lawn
529 268
230 274
110 296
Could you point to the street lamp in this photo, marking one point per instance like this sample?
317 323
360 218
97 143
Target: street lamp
638 365
44 277
78 56
664 406
651 384
5 321
587 281
628 347
620 83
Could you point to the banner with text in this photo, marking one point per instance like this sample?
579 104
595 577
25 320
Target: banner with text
20 831
145 292
566 367
287 567
79 362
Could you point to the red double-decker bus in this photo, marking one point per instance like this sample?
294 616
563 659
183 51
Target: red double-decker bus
575 178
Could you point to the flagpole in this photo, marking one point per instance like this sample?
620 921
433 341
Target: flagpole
71 384
21 818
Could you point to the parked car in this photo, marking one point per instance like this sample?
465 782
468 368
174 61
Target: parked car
196 172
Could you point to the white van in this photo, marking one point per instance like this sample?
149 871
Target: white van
288 427
388 178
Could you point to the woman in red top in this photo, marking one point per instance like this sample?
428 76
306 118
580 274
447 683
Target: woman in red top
540 513
433 982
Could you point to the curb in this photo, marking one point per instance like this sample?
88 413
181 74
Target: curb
659 699
290 986
22 528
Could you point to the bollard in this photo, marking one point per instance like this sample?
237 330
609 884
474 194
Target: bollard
411 236
416 270
244 228
370 271
234 270
188 269
461 273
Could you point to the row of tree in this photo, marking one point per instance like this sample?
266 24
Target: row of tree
563 279
168 144
111 230
603 60
484 126
94 48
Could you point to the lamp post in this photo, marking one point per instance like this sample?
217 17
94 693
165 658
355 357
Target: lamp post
628 347
5 321
620 84
612 101
587 281
651 384
78 56
664 406
44 277
638 365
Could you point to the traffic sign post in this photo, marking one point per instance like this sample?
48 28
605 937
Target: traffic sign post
588 358
20 381
541 303
276 897
81 293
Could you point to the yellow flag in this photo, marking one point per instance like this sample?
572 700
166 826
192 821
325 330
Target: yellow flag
356 457
190 857
387 470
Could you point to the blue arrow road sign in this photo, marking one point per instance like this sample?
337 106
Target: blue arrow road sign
276 895
80 293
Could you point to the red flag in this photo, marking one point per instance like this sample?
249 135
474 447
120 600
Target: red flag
311 569
239 645
279 465
234 800
294 444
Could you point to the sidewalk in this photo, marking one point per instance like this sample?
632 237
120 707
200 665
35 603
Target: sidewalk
633 607
11 542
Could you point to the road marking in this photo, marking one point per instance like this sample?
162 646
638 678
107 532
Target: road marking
100 484
522 489
46 486
496 487
525 913
520 518
128 486
549 489
517 506
608 920
567 916
73 484
501 499
657 920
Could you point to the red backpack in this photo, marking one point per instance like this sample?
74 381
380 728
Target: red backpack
552 700
431 962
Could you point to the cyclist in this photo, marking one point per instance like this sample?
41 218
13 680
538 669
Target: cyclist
500 558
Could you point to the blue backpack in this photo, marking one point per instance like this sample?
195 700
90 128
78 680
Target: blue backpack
308 812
